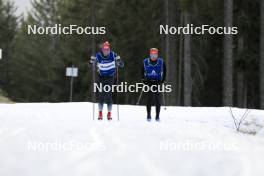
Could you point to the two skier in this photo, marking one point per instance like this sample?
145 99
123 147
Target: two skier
107 62
153 73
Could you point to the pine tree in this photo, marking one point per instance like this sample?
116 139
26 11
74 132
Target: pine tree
8 23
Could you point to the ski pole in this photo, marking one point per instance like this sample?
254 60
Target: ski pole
139 98
164 101
92 90
119 63
117 106
92 61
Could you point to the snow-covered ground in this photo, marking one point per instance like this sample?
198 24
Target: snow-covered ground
63 140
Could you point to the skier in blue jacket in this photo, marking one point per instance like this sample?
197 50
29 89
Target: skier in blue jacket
107 62
153 73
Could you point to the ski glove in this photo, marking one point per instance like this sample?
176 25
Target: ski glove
119 62
92 60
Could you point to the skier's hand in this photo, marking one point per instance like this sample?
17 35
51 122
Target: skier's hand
118 58
92 60
119 62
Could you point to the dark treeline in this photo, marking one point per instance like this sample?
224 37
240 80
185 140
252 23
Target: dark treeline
205 70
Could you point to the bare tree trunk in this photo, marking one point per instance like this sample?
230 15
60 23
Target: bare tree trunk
93 47
245 95
179 83
228 56
240 89
173 55
187 64
241 80
167 46
262 55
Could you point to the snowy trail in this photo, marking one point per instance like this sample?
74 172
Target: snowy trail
188 141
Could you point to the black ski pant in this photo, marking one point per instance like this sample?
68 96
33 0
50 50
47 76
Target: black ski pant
153 98
105 96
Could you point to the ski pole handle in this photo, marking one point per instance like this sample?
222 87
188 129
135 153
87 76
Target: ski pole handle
119 62
118 58
92 60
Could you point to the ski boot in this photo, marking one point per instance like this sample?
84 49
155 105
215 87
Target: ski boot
157 119
148 118
100 116
109 116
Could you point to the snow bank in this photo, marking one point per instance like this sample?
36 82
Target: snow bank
62 139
